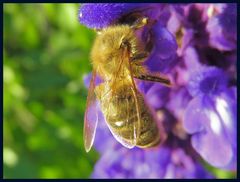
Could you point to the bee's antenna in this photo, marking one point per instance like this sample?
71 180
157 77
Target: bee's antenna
140 23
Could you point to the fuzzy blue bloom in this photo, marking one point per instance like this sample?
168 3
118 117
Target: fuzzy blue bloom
100 15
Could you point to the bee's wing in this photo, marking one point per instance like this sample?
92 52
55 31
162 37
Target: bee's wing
129 108
91 116
132 128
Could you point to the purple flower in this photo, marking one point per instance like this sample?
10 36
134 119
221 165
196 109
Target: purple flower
207 81
193 22
161 162
222 28
155 94
195 46
97 15
163 56
101 15
178 102
211 117
87 79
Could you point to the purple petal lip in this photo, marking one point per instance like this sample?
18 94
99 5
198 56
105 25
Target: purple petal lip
212 125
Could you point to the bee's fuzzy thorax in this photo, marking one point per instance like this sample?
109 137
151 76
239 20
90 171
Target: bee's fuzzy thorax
107 52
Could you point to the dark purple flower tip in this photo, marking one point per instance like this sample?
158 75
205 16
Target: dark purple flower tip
207 80
100 15
222 28
228 19
179 8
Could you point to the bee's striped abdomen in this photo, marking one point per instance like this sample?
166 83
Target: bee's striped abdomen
120 111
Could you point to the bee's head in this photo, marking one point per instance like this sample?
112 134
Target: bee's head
111 46
115 39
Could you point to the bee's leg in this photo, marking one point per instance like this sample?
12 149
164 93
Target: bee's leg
140 22
139 56
140 72
147 76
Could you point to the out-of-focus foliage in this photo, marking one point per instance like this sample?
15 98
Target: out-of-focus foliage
46 54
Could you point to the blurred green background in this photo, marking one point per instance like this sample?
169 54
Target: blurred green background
46 55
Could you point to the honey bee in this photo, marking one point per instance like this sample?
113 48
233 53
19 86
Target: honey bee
117 57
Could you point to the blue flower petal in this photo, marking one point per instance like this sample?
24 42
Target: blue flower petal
165 42
163 55
208 120
100 15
